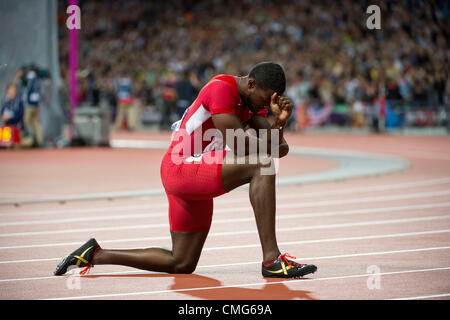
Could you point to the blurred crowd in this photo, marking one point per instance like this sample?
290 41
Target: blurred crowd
160 53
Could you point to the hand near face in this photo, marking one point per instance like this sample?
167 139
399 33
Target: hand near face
281 108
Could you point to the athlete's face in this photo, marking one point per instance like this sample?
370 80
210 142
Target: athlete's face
258 99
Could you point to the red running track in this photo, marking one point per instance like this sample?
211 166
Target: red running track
381 237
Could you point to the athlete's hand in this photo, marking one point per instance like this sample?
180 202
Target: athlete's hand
281 108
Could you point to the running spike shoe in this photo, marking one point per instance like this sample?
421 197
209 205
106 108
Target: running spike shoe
81 258
282 267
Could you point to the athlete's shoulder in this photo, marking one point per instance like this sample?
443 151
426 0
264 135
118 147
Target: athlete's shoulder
223 81
220 94
225 78
220 87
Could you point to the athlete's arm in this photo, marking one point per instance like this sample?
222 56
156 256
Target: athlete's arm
259 122
230 122
281 108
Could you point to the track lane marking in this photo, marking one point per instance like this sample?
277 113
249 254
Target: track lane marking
244 263
394 235
126 294
243 232
424 297
280 206
238 199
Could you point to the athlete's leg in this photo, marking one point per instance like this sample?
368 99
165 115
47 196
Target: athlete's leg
183 258
190 221
262 197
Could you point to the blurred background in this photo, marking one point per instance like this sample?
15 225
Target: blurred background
137 65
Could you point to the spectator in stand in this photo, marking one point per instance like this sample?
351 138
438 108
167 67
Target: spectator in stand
169 96
186 93
126 108
12 108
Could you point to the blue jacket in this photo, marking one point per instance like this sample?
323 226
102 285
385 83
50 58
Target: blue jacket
15 107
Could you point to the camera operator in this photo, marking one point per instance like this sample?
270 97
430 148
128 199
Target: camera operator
30 78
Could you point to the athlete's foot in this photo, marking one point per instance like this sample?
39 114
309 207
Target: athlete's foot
281 267
81 258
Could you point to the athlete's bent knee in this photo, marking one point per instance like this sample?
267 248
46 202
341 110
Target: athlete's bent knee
185 268
266 166
265 161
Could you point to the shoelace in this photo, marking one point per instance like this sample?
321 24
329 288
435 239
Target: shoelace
284 257
289 262
86 270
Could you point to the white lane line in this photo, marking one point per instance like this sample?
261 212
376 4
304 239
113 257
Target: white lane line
342 256
233 233
163 204
30 260
127 294
424 297
334 257
340 225
280 206
279 217
395 235
163 225
218 211
86 219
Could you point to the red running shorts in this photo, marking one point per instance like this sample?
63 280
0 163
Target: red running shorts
191 183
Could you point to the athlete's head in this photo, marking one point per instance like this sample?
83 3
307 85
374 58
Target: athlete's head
264 80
